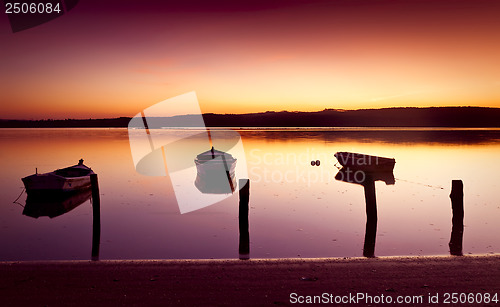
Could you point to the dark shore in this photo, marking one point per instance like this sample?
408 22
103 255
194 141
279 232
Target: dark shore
464 117
244 283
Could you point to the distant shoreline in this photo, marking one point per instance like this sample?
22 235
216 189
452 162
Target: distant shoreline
449 117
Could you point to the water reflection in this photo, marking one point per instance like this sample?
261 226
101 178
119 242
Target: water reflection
215 172
365 170
296 209
384 135
54 203
356 176
183 156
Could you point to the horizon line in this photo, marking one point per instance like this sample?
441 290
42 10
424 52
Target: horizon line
250 113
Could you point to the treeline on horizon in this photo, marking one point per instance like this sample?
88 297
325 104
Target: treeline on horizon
389 117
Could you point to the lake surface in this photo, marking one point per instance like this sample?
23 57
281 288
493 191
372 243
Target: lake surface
296 210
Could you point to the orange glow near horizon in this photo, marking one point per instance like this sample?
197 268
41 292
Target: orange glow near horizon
300 58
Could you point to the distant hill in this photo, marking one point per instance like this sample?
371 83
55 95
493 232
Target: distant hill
389 117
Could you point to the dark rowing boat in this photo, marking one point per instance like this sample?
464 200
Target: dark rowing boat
364 162
64 180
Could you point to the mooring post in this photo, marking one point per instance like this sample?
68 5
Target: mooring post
371 218
96 217
244 195
457 220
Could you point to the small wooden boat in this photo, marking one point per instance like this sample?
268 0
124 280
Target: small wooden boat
364 162
215 172
66 179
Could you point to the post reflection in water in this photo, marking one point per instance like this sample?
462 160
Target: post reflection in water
216 175
293 212
367 179
52 204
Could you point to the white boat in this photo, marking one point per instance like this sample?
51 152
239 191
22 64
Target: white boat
66 179
215 172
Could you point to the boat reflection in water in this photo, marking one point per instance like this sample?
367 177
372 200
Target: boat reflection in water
356 176
54 203
365 170
215 172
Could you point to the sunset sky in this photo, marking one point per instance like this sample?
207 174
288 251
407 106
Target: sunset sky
110 58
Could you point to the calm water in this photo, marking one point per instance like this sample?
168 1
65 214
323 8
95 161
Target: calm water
296 210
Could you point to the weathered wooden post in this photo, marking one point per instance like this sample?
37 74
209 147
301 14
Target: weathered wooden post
244 195
457 207
365 170
96 217
371 217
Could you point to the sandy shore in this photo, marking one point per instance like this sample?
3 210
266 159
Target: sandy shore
247 283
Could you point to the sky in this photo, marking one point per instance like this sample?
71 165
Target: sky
111 58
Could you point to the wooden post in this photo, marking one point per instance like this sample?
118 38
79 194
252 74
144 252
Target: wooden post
96 217
244 195
371 218
457 208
